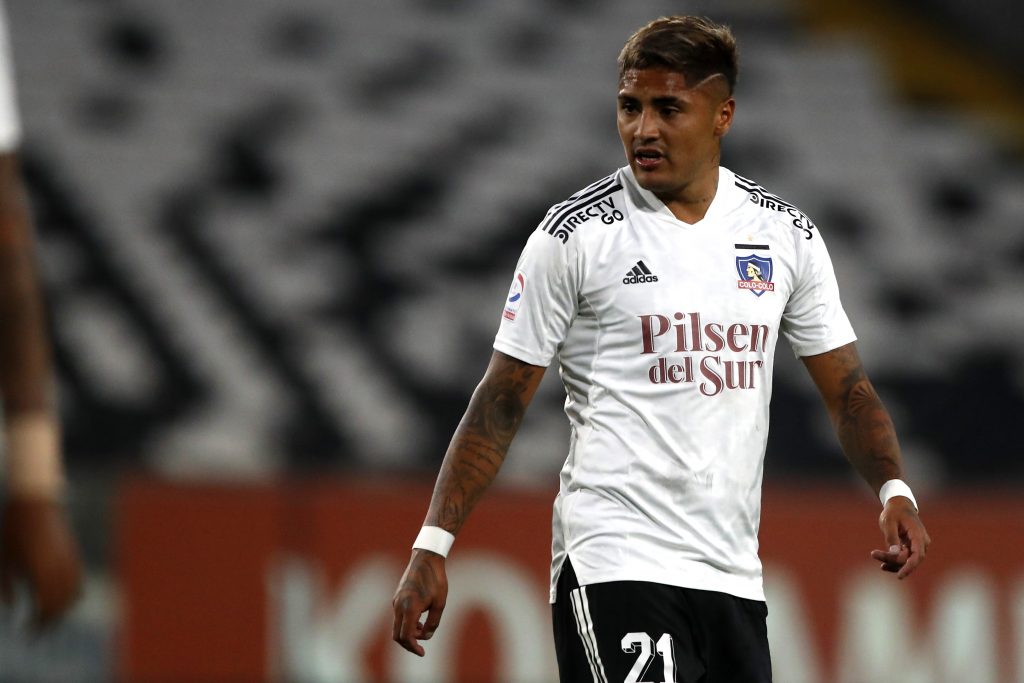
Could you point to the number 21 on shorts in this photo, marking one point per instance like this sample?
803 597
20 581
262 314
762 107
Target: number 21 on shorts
632 642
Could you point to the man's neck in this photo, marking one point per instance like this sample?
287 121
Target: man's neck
690 203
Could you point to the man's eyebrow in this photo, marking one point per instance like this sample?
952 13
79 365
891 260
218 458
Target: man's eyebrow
657 101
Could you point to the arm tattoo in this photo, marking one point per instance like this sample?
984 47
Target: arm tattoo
481 441
866 432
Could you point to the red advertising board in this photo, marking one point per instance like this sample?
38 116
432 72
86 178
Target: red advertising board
292 582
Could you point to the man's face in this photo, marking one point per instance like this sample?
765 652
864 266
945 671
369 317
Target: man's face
671 130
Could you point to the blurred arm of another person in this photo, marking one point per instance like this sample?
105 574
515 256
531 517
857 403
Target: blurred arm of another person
868 438
36 544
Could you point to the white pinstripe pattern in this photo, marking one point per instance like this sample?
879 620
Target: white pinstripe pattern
585 627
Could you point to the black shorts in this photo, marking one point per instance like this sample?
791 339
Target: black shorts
633 631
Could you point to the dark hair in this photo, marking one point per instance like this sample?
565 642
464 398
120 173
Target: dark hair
693 46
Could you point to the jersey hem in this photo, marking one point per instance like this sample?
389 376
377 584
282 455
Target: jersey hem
748 589
822 347
522 354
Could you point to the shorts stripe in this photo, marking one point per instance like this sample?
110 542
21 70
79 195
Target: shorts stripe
585 627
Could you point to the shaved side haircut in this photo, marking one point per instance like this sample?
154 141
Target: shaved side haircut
696 47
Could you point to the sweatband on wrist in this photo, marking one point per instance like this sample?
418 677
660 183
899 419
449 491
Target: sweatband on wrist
34 467
896 487
435 539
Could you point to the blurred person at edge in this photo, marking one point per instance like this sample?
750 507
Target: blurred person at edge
662 290
36 544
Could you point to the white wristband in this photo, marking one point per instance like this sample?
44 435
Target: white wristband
896 487
435 539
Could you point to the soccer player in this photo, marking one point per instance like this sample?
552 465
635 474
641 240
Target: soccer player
641 285
36 545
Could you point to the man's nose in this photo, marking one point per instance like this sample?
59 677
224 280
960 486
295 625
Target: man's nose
647 127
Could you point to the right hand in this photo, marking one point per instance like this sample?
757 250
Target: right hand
423 588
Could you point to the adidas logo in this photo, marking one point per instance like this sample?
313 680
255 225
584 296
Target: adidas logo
639 273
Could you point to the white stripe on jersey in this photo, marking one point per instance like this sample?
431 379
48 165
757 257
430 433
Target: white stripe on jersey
585 627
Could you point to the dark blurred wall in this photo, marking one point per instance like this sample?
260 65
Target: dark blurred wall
990 27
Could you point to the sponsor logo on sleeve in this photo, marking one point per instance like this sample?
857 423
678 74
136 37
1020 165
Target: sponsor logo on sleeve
515 297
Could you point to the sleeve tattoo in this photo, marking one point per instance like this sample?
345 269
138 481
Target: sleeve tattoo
863 425
481 441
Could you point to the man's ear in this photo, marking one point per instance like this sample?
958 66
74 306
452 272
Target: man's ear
723 117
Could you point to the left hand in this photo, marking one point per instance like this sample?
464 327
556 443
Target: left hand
905 536
36 546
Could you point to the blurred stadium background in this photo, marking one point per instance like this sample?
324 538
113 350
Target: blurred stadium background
275 240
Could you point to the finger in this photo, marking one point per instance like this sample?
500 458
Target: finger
890 527
914 560
895 555
410 632
396 624
408 627
917 542
432 622
911 564
405 625
890 567
909 567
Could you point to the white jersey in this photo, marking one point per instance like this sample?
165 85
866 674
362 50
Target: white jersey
665 334
10 126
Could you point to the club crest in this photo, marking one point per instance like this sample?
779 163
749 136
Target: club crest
755 273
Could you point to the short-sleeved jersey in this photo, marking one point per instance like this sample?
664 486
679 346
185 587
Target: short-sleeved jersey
665 334
10 126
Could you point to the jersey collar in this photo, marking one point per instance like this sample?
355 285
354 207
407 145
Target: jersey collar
727 197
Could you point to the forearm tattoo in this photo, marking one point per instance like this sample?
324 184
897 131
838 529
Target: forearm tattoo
481 441
864 427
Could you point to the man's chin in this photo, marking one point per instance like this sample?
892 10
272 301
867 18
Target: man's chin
652 181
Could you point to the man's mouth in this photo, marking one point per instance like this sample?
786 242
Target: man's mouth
647 159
